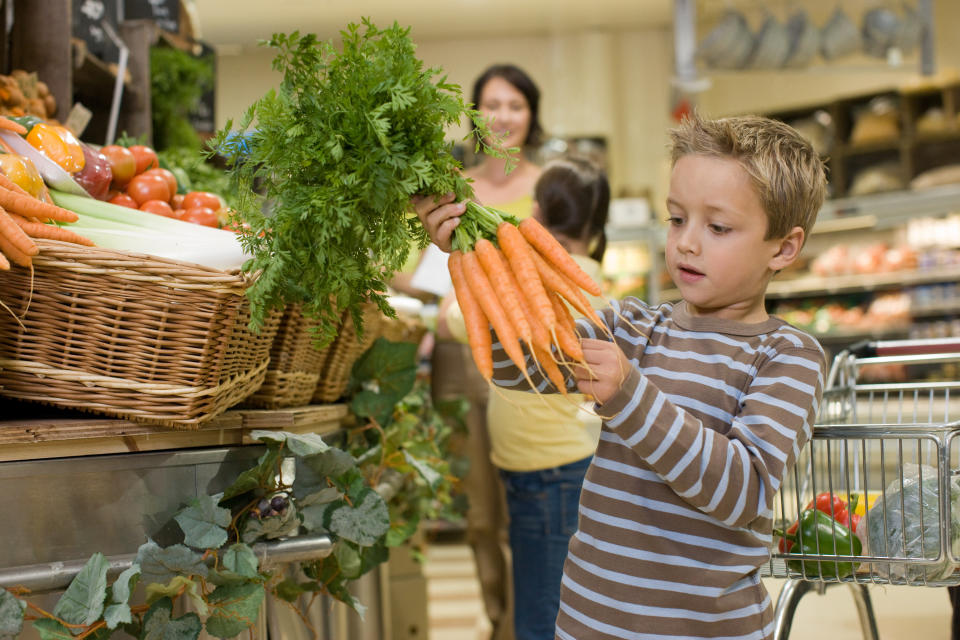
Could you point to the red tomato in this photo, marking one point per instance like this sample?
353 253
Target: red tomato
202 199
123 165
201 215
159 207
123 200
145 156
176 201
148 187
167 175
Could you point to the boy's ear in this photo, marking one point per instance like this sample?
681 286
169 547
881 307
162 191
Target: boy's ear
789 249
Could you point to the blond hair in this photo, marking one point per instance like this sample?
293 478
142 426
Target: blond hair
786 172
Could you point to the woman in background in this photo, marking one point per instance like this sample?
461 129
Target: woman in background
510 100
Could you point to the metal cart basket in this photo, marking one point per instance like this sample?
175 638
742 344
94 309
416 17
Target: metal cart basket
884 454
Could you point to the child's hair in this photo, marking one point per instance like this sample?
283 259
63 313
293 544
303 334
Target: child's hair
524 84
574 198
786 172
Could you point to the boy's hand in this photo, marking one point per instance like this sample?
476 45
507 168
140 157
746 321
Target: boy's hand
440 216
606 369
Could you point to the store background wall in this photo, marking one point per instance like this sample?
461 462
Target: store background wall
614 84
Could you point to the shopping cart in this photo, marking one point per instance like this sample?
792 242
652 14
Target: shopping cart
889 452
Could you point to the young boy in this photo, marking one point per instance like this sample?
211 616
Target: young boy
706 403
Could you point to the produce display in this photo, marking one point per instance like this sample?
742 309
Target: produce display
23 94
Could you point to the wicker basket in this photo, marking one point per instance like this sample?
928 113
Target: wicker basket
295 364
343 352
129 335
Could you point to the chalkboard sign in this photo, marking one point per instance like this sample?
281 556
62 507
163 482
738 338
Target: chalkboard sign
203 114
166 13
89 17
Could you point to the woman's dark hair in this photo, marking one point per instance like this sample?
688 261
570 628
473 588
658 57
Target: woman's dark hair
573 194
524 84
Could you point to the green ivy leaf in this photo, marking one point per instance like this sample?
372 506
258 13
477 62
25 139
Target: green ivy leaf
364 523
241 560
119 612
261 475
49 629
161 564
289 590
159 623
426 472
385 373
11 615
301 444
83 601
235 609
178 585
271 527
349 560
204 523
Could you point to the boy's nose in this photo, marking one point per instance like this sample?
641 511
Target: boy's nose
687 241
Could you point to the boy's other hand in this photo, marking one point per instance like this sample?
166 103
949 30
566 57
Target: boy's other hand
606 367
439 216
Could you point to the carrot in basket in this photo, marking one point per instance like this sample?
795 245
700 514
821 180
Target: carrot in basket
49 231
4 263
30 207
10 125
16 236
508 295
478 328
551 250
520 255
15 255
480 286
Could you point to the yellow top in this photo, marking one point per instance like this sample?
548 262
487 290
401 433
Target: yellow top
520 208
529 431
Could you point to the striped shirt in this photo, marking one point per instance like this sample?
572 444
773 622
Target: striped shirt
676 509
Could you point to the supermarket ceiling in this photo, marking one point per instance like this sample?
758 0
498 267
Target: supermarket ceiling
241 23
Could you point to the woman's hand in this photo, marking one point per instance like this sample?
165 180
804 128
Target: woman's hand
605 369
440 216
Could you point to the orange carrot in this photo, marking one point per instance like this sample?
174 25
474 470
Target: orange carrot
520 255
483 292
16 235
4 263
478 328
508 295
10 125
556 281
49 231
15 255
538 330
30 207
551 250
562 310
545 358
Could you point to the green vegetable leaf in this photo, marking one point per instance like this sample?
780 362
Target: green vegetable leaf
204 523
161 564
11 615
234 609
365 523
83 601
159 623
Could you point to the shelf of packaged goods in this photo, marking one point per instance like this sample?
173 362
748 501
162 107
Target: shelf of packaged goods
50 434
812 286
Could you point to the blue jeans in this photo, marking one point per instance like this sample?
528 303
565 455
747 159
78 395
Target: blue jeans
543 509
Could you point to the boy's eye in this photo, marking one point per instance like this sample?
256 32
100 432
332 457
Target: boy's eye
675 221
719 229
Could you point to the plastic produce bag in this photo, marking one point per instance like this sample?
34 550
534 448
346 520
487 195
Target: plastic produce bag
905 523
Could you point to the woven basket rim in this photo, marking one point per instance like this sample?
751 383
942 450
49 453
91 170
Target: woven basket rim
138 267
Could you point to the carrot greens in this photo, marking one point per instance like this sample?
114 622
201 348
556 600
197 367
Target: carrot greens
335 153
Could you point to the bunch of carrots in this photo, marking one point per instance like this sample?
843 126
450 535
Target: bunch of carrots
516 277
24 217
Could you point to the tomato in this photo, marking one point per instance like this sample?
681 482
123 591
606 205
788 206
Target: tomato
176 201
123 200
148 187
167 175
122 163
159 207
202 199
146 157
201 215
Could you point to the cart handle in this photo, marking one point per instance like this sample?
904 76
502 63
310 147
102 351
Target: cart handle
882 348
